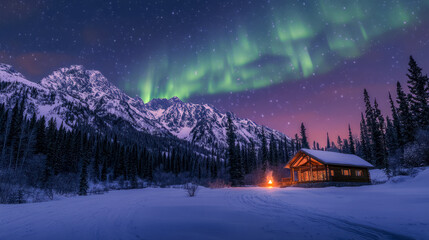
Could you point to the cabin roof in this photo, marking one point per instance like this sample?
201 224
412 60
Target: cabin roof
332 158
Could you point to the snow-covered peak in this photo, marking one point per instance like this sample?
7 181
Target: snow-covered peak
10 70
203 124
9 74
87 85
76 95
175 100
162 103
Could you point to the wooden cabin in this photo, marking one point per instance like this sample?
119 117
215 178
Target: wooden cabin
309 166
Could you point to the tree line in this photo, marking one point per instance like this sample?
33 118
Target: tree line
400 139
36 153
393 141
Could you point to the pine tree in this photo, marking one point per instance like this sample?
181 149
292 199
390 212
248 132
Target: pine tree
239 174
328 142
364 138
374 122
252 156
419 89
40 136
298 143
15 132
264 151
351 141
287 154
405 117
346 147
96 163
270 151
391 137
380 142
304 140
339 144
396 122
235 168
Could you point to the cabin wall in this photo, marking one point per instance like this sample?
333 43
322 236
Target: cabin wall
339 174
304 168
330 173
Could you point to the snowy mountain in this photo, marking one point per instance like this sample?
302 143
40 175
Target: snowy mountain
203 124
75 95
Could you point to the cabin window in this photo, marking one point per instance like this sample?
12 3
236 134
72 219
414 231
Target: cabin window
358 173
346 172
332 173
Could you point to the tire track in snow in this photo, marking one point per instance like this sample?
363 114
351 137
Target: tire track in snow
259 202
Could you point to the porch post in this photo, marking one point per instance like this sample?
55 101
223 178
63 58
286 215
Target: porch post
311 170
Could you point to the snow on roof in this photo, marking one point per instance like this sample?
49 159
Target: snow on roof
334 158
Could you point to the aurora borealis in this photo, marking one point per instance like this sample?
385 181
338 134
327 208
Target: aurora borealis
284 43
276 62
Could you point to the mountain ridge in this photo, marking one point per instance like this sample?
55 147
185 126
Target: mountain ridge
75 95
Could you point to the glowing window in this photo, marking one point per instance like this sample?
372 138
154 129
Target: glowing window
359 173
346 172
332 173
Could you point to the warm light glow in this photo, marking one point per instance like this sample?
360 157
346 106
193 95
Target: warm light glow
270 182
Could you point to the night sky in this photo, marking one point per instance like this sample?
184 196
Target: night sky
278 63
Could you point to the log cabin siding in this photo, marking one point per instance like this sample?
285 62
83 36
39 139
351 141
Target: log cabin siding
340 177
308 168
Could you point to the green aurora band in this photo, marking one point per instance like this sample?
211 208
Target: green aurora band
285 43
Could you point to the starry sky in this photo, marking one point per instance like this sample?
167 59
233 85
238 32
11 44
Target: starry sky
278 63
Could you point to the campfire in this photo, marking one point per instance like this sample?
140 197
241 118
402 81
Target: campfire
270 181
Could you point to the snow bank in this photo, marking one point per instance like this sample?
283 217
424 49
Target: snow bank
378 176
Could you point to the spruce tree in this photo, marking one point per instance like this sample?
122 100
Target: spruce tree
419 90
96 163
304 140
380 141
252 156
235 170
405 117
15 132
339 144
328 142
346 147
375 135
391 137
396 122
298 143
286 149
264 151
239 174
272 151
352 149
40 136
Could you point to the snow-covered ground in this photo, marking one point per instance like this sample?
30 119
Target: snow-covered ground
386 211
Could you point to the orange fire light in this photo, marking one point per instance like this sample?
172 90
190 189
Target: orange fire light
270 182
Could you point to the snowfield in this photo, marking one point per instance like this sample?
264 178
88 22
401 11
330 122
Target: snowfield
395 210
